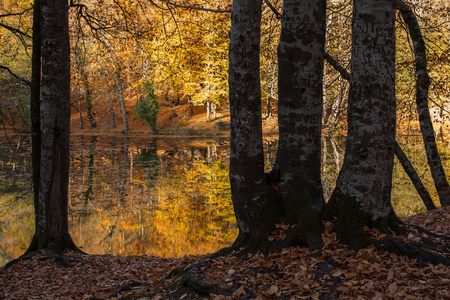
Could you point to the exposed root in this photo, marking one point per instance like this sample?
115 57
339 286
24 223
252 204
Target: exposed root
400 247
196 280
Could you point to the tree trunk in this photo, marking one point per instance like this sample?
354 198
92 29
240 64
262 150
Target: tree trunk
300 73
35 100
422 88
403 159
208 110
123 110
52 207
362 196
409 169
112 114
246 149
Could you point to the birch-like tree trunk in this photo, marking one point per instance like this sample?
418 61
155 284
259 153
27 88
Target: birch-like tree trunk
300 73
123 110
362 196
52 207
422 88
246 158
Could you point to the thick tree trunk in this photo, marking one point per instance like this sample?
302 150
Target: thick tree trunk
246 158
363 189
300 73
403 159
422 88
52 207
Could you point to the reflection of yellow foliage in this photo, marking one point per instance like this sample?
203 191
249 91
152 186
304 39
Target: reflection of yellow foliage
188 212
16 226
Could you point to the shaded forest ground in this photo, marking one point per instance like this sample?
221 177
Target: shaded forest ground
295 273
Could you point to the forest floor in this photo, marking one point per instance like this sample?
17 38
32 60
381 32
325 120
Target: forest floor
295 273
173 120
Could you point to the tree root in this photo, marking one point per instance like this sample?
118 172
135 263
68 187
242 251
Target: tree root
196 280
51 253
400 247
427 232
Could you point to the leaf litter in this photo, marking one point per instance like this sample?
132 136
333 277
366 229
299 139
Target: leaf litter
295 273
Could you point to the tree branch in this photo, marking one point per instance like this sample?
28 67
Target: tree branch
196 7
274 10
16 14
15 30
28 83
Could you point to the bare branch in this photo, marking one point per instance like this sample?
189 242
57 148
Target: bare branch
15 31
28 83
274 10
16 14
195 7
344 73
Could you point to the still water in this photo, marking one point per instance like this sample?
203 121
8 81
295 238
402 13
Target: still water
163 197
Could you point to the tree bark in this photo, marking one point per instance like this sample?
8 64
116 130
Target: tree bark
246 149
363 189
300 73
52 207
35 99
35 114
403 159
422 88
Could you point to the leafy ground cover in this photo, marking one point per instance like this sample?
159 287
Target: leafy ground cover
295 273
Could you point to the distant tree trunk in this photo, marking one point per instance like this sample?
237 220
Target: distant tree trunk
87 98
52 206
214 110
300 73
362 196
208 110
422 88
409 169
246 158
123 110
112 114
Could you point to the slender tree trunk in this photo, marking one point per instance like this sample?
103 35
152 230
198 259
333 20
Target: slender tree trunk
362 196
300 73
112 114
35 112
246 157
35 98
409 169
123 110
422 88
87 98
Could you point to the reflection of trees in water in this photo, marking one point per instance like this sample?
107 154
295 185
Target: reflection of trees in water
154 196
16 202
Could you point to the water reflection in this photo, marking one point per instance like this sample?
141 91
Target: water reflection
158 197
165 197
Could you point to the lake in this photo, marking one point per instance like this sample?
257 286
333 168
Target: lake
159 196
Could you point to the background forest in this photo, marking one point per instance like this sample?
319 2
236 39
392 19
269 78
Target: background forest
131 60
